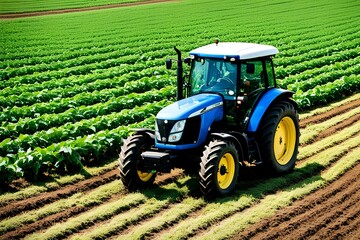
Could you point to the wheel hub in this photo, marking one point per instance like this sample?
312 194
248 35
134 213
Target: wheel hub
223 170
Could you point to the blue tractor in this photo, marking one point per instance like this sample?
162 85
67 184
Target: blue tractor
229 113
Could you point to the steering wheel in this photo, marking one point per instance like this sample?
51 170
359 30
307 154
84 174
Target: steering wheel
226 79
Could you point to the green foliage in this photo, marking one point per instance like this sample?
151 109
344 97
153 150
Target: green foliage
16 6
70 90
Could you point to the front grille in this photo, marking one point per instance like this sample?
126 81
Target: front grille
190 133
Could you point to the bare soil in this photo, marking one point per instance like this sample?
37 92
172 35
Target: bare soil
332 212
70 10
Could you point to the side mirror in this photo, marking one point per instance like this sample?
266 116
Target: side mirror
187 61
168 63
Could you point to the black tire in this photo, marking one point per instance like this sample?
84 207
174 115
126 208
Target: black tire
129 158
219 168
279 138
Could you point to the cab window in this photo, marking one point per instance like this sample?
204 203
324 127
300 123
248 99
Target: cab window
270 73
252 77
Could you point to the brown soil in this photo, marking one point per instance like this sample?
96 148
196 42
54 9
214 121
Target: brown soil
327 115
332 212
70 10
48 197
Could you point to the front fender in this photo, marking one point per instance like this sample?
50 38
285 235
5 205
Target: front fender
263 104
238 139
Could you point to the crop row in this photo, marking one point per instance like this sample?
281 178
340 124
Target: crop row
92 54
95 49
113 58
282 72
324 79
66 156
329 92
108 78
307 75
85 127
116 95
320 50
106 88
46 121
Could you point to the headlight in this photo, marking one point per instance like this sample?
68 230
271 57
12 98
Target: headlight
177 131
174 137
157 134
178 126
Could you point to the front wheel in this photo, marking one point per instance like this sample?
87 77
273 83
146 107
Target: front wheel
219 168
279 138
129 160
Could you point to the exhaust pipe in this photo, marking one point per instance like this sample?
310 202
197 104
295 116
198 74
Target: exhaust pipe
179 73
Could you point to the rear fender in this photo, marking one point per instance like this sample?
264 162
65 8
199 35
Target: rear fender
238 139
269 97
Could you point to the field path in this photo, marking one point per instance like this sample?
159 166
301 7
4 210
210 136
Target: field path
70 10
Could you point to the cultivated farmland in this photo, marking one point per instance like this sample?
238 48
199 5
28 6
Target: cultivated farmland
73 85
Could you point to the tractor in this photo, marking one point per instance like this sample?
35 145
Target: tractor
229 113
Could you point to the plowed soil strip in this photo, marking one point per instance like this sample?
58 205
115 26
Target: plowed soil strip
329 114
330 131
70 10
45 198
76 210
300 219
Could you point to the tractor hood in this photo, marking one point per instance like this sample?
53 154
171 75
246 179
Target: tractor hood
190 107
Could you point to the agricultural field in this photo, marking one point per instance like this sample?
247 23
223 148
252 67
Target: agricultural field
22 6
73 85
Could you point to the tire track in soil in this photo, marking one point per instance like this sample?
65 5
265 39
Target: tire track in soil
335 206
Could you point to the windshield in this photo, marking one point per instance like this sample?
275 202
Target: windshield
213 75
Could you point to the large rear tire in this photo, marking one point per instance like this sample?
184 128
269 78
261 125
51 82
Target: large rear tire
279 138
129 159
219 168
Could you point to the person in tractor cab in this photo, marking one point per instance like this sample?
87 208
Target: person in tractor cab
214 76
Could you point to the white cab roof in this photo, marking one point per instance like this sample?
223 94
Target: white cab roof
238 50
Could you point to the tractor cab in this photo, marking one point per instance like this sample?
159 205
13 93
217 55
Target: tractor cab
239 72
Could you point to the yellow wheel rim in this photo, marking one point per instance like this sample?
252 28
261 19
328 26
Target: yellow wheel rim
284 140
226 171
144 176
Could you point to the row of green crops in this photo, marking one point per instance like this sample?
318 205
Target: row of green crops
16 6
72 85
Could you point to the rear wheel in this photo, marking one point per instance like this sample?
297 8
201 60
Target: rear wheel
279 138
219 168
129 160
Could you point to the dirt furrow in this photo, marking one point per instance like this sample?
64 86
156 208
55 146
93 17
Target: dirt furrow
70 10
50 220
315 223
330 131
342 225
329 114
45 198
323 202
